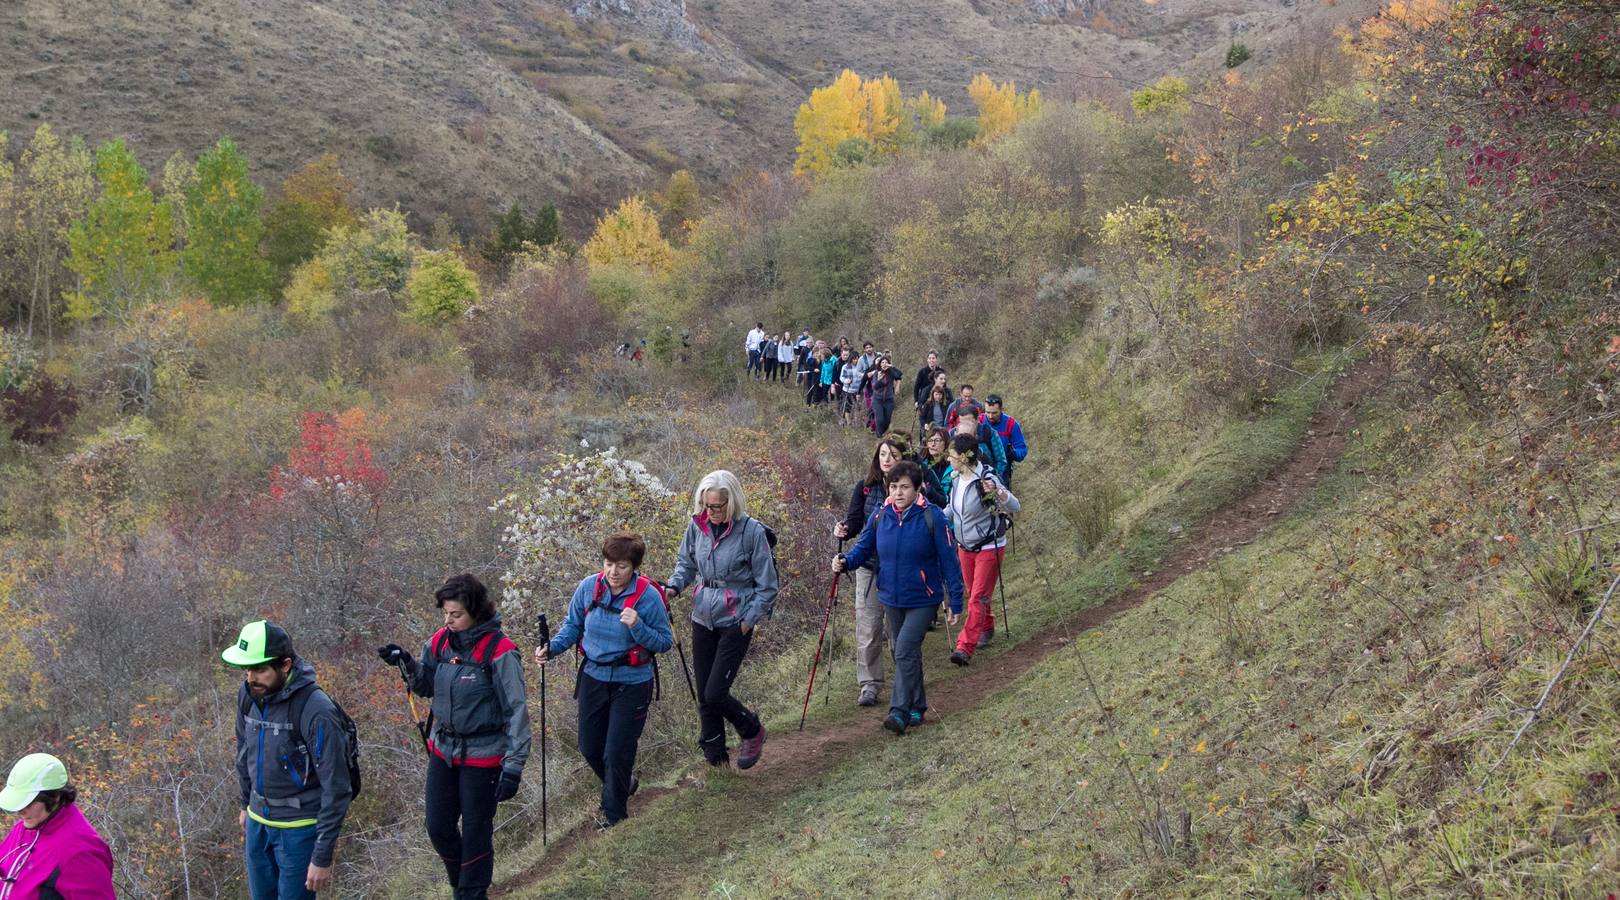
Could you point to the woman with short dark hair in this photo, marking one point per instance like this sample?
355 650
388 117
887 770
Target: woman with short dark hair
52 851
917 569
480 739
616 668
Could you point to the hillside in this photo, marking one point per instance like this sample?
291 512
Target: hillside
462 107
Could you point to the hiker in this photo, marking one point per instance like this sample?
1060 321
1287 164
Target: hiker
977 500
784 357
849 387
480 738
971 421
292 765
934 412
917 569
727 558
829 376
864 501
881 386
866 364
52 851
1010 432
924 383
936 464
767 357
752 343
964 397
616 668
807 367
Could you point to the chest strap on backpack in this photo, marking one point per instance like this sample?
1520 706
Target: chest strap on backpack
637 655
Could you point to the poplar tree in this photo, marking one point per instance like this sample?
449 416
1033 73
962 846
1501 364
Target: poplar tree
122 250
223 229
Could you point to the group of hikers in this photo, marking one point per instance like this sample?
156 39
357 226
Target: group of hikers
929 529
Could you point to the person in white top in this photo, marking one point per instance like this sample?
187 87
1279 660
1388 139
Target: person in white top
751 344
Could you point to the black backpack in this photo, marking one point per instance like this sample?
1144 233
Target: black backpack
351 733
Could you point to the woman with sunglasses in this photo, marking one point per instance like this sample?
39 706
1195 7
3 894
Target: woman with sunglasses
52 851
726 557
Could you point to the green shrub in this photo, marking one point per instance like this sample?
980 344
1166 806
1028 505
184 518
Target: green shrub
441 288
1237 55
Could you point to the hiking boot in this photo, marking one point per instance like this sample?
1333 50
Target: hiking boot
895 723
601 821
959 658
635 785
719 762
986 638
748 753
916 717
868 695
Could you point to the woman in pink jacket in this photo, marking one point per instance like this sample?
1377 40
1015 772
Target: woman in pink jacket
52 853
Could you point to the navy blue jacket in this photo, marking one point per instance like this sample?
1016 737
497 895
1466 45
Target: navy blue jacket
918 563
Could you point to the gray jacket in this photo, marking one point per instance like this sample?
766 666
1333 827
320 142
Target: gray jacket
733 570
974 523
480 706
294 772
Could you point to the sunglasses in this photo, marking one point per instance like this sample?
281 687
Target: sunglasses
715 507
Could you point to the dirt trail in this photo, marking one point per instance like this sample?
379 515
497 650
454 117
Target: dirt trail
796 759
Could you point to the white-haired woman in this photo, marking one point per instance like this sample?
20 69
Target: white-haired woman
726 557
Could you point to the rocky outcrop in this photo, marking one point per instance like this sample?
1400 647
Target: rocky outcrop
662 19
1062 9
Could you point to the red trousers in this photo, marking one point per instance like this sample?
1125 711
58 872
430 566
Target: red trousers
979 572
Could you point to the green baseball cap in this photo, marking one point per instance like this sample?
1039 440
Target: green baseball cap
33 773
259 643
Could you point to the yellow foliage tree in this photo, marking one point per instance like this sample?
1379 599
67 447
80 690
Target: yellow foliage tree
22 684
873 112
629 236
1001 106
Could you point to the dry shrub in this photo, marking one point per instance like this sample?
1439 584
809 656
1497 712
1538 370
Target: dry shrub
537 325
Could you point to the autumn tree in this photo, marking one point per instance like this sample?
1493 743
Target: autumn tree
55 181
629 236
224 229
313 199
853 119
1001 106
441 287
121 250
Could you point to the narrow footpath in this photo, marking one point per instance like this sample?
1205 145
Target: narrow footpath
796 759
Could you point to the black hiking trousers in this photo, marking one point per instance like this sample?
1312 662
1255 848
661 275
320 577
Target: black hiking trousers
717 654
611 719
466 793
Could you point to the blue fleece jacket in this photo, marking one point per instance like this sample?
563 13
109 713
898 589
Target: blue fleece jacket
917 564
604 638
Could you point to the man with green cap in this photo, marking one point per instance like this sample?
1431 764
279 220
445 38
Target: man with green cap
292 762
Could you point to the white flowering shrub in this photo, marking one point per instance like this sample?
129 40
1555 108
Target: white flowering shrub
560 517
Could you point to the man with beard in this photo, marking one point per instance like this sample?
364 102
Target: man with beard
292 762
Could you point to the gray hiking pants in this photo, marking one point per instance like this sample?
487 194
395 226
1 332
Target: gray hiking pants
868 630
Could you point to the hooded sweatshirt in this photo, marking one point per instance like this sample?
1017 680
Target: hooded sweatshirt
733 569
480 708
294 774
63 858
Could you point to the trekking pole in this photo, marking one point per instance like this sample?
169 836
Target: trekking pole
826 693
545 818
416 716
1001 557
681 651
815 663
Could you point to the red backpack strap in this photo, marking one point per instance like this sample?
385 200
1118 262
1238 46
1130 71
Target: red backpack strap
481 651
438 641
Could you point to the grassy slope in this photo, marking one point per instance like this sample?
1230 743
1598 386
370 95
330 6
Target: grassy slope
1323 738
1185 471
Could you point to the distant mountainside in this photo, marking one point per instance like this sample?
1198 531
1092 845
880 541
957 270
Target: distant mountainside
462 106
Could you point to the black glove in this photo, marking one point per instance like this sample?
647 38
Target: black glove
394 654
508 787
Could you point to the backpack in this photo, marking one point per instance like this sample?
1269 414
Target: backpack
351 733
636 655
988 501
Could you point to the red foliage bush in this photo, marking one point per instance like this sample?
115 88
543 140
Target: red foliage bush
328 455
